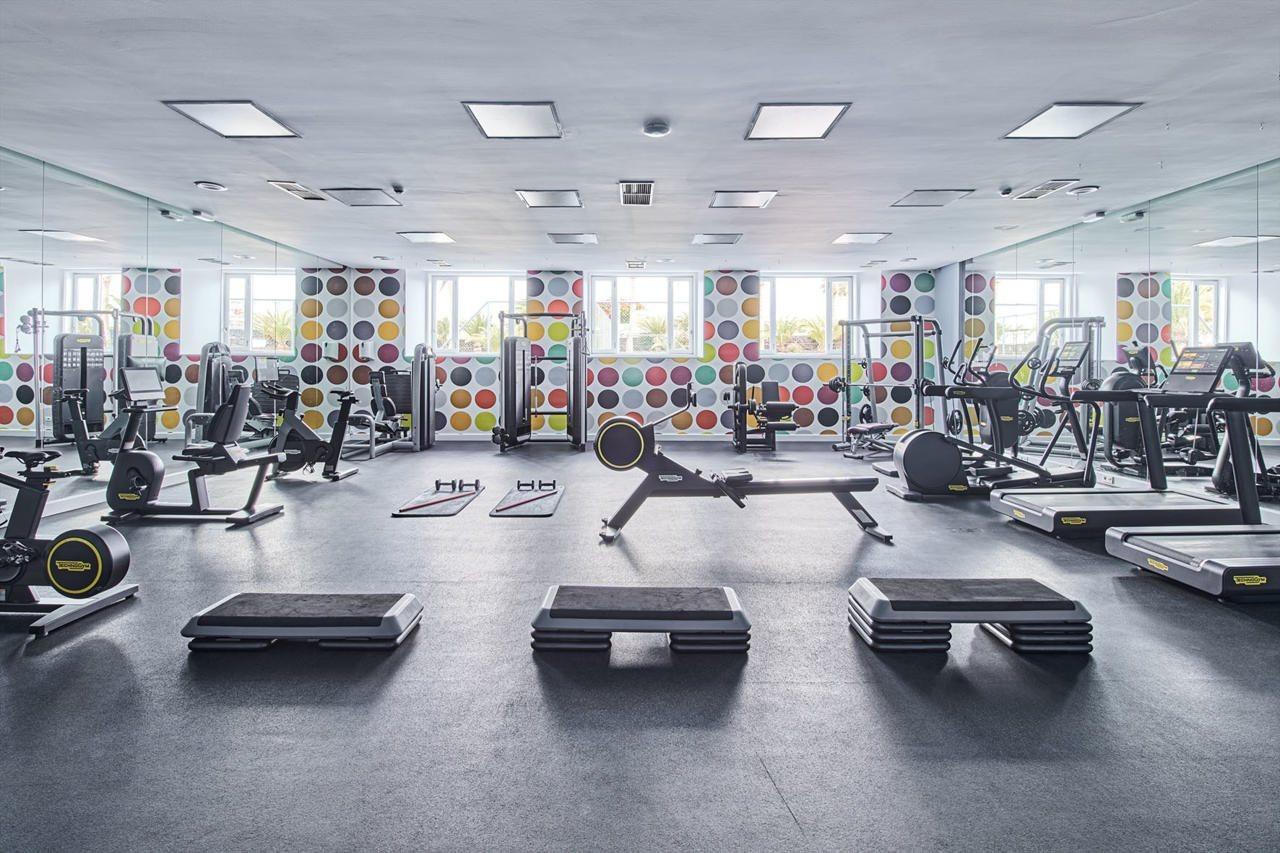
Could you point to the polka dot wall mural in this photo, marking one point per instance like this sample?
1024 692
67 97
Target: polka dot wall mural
1144 315
348 323
904 294
157 294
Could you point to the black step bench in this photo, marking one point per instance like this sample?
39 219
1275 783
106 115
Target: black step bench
256 620
916 614
696 618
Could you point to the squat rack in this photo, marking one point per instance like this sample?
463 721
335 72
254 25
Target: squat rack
922 329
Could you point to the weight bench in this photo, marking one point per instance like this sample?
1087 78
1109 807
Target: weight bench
695 618
916 614
869 441
256 620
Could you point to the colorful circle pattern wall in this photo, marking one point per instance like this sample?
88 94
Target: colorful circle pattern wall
902 295
1144 314
349 323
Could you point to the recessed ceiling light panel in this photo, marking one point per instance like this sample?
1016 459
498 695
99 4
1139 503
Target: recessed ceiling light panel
1046 188
577 239
214 261
64 236
716 239
550 198
297 190
504 120
743 198
794 121
233 119
361 196
1233 241
860 238
930 198
426 236
1069 121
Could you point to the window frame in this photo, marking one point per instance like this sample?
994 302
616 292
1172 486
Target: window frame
69 286
248 275
1065 303
452 348
830 350
1199 283
695 311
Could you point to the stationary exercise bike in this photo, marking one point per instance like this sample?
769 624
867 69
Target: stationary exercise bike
93 450
301 446
85 565
138 475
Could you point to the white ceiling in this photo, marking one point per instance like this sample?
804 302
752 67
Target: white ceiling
374 88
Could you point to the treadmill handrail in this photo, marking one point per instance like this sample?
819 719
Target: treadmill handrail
1253 405
1157 398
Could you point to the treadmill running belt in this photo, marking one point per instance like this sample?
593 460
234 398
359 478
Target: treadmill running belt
1210 546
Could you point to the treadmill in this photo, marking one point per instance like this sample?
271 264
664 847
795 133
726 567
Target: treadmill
1237 562
1089 512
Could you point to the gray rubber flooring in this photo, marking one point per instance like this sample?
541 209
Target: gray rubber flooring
118 739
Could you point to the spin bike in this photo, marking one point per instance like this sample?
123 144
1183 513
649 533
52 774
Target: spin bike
301 446
84 565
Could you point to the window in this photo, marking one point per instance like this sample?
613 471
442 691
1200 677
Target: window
642 314
465 310
91 291
801 314
1022 305
1197 312
259 312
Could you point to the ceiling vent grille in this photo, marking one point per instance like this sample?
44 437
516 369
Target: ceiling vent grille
1048 187
636 193
297 190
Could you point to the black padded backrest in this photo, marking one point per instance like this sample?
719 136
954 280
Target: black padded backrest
228 421
398 388
769 392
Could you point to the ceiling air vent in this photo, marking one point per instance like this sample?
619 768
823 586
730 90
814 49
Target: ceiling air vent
635 265
1042 190
297 190
636 193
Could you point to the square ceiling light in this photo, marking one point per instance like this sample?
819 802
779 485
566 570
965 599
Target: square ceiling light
361 196
233 119
297 190
860 237
64 236
550 198
578 239
794 121
1069 121
930 198
505 120
1231 242
716 239
426 236
743 198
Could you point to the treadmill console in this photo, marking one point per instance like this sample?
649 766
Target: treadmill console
1198 371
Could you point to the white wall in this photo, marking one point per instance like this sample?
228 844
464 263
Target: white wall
415 309
201 320
1095 295
949 303
23 286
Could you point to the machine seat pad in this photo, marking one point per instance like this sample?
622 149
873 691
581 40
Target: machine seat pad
32 458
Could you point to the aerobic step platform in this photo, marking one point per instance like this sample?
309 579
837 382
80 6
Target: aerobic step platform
696 618
255 620
916 614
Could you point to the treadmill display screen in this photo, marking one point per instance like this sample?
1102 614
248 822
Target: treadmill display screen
1072 355
1198 370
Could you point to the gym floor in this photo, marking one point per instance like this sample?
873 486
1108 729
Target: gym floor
464 739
